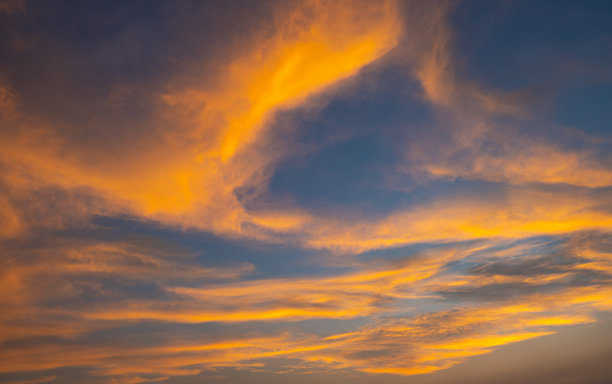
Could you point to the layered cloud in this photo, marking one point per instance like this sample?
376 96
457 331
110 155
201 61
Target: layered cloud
480 300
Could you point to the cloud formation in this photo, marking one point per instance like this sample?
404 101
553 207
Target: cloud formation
500 302
143 240
205 143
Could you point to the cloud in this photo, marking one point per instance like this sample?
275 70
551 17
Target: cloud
87 272
187 174
218 142
399 337
35 381
521 212
11 7
472 139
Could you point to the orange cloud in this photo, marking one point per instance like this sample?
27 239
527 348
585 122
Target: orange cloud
407 346
188 175
347 296
336 45
522 213
520 160
398 339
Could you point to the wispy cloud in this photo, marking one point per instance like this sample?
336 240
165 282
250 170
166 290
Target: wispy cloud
544 286
219 141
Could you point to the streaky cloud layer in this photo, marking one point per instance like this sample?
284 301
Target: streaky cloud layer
501 303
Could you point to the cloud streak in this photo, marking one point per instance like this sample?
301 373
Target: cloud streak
398 339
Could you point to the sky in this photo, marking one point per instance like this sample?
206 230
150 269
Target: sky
273 191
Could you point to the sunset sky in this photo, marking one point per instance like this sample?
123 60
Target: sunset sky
274 191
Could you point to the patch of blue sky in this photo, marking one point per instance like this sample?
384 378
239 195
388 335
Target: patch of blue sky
587 107
510 45
270 260
359 171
